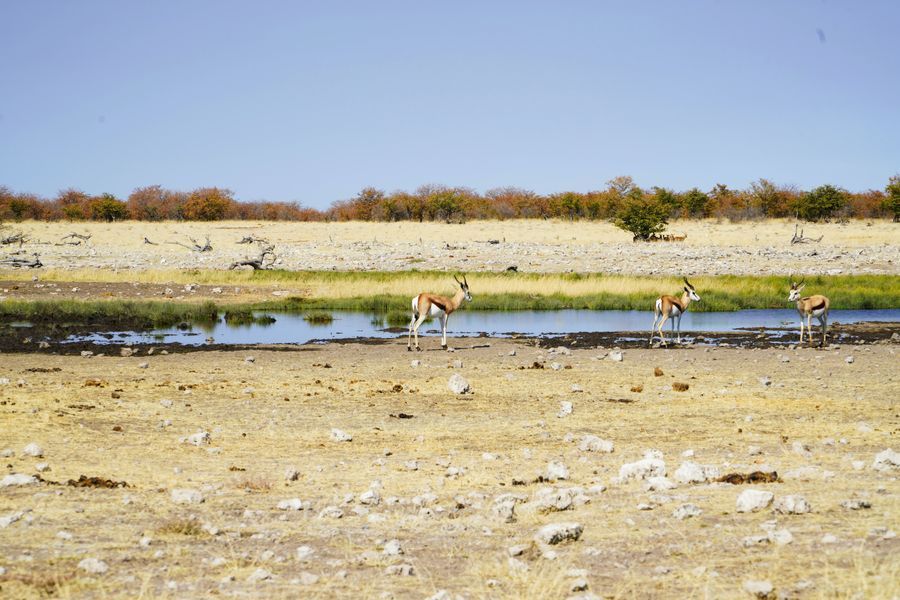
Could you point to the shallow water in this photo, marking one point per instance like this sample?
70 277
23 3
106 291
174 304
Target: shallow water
291 328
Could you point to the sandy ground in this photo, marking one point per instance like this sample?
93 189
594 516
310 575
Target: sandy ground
533 246
819 423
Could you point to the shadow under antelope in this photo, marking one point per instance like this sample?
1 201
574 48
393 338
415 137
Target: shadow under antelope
810 306
425 305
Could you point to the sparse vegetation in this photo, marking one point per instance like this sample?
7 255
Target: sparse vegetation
318 318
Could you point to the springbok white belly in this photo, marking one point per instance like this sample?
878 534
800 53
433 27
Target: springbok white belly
433 311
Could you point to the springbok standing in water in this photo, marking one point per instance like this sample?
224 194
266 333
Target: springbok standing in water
809 307
670 307
425 305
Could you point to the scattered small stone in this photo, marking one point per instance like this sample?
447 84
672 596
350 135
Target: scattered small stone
34 450
579 585
143 365
556 471
754 500
392 548
592 443
691 472
200 438
759 589
304 552
331 512
340 436
781 537
615 356
42 467
402 570
829 538
849 360
565 409
651 465
659 484
856 504
94 566
186 496
887 460
680 387
258 575
415 363
308 578
686 511
292 504
556 533
458 384
792 505
765 381
291 474
17 479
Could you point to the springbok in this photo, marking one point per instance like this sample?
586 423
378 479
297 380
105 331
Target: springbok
425 305
809 307
670 307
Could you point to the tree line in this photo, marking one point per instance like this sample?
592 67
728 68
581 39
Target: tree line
620 200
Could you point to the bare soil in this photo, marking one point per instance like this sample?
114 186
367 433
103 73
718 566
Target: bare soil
818 423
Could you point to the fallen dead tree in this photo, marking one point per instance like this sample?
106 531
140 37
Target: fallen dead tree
14 238
76 239
799 239
18 261
195 245
249 239
265 260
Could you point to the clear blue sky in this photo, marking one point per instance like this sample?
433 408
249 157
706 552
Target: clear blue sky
311 101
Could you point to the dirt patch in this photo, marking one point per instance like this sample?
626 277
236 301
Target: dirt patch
95 482
754 477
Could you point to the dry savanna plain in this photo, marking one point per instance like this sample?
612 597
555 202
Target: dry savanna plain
506 468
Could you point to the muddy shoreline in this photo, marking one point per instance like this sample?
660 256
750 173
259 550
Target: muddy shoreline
50 340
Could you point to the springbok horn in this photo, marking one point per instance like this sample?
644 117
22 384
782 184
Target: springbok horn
465 280
457 280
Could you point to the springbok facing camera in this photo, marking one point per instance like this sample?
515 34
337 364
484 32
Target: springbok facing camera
809 307
670 307
442 307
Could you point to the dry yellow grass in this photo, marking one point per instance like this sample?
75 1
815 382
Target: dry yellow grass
277 412
762 234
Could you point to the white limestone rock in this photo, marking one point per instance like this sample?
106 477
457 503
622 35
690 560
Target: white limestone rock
754 500
792 505
557 533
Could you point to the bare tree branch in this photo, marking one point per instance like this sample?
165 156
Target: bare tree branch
799 239
265 261
196 247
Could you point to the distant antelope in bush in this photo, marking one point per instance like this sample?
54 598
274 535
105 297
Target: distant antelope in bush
809 307
670 307
442 307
